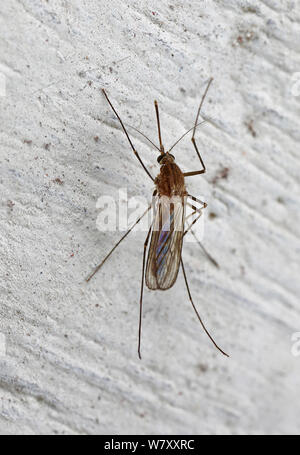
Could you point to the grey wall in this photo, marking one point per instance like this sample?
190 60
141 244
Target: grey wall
68 349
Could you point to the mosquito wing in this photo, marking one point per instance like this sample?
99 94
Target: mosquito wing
166 243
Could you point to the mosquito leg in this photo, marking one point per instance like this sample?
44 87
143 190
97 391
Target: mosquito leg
203 170
195 309
116 245
142 290
194 221
197 210
162 150
198 200
209 257
189 174
127 135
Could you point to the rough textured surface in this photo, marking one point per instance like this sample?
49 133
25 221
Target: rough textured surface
71 364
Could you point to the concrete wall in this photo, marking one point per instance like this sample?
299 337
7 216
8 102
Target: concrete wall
68 359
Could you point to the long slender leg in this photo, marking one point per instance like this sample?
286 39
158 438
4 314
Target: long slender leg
197 200
127 135
193 213
189 228
196 210
116 245
203 170
212 260
209 257
189 174
162 150
193 222
198 316
142 290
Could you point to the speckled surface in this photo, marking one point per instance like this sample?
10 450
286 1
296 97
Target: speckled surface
70 364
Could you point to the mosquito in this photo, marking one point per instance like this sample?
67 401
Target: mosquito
168 228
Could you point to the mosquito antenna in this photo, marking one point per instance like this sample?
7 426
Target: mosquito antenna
138 131
203 121
162 150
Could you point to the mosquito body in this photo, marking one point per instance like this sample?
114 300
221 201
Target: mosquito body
168 227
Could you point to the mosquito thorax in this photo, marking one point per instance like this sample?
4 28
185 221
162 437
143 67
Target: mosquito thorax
165 158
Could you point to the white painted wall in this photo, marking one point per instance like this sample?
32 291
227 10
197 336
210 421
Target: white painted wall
70 363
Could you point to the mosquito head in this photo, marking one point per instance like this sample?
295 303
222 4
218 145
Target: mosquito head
164 158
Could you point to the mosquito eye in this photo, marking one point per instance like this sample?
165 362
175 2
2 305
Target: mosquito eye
172 156
159 158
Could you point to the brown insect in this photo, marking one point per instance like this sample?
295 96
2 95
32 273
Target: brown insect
167 230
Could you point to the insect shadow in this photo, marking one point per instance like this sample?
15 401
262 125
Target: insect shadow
168 227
